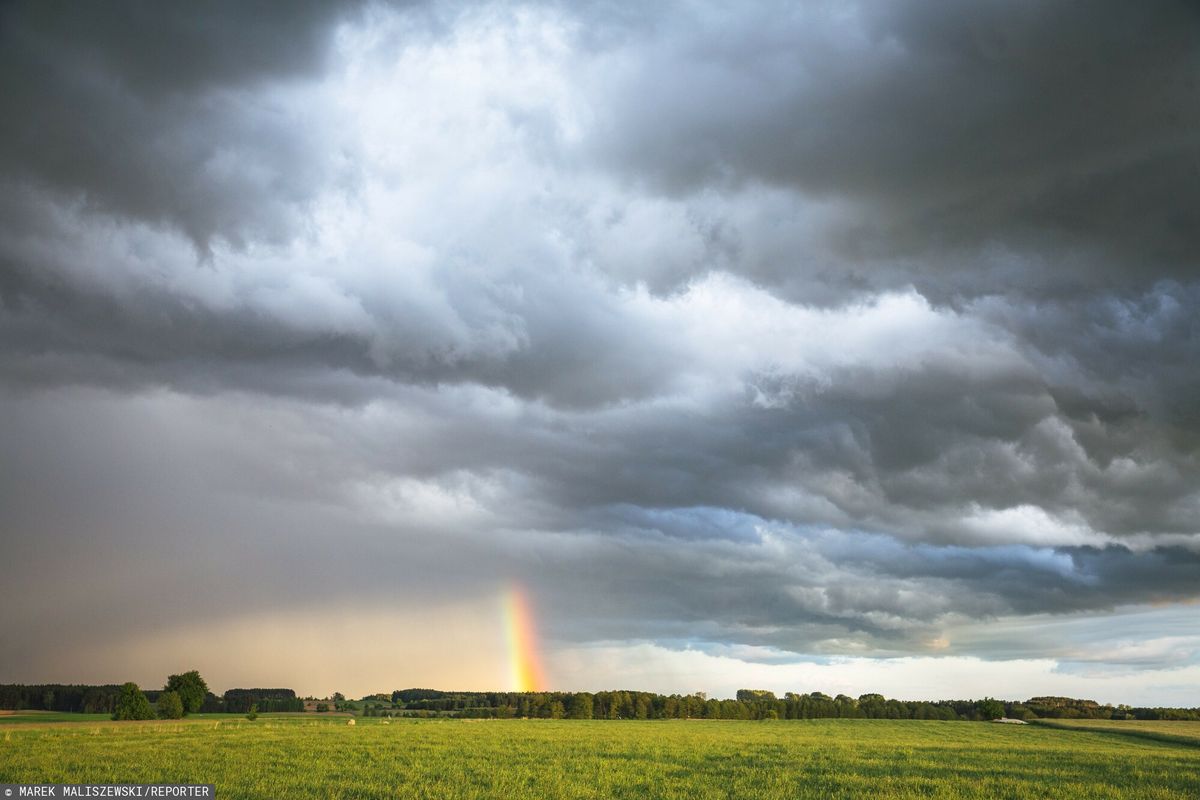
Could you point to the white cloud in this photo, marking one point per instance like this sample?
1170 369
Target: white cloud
1028 524
651 667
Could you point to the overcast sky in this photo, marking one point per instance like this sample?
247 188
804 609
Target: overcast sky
832 346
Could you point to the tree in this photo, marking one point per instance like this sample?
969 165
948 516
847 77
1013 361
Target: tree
132 704
872 705
191 688
1019 711
252 714
170 706
581 706
990 708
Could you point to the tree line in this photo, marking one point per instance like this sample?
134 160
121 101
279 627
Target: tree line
182 694
749 704
752 704
188 693
240 701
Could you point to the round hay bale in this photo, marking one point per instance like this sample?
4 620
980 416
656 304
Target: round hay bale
350 722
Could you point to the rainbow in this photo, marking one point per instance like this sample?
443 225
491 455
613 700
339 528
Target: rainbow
524 661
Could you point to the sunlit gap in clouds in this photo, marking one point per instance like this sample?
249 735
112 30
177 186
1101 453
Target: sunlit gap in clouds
524 657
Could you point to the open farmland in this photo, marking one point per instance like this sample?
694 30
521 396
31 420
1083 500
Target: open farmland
1181 731
567 759
33 717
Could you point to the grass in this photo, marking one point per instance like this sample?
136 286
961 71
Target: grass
1175 731
21 717
545 759
39 717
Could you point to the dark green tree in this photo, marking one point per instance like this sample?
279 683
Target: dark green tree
1019 711
581 706
170 706
132 704
990 708
191 688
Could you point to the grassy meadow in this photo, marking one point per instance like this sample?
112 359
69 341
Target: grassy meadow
1181 731
27 717
326 758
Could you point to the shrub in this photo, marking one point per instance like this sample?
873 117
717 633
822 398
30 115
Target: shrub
132 704
170 706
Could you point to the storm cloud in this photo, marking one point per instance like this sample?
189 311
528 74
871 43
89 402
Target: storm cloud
830 330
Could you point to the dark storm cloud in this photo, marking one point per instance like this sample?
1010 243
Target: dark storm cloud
207 45
168 116
245 508
555 342
992 146
828 328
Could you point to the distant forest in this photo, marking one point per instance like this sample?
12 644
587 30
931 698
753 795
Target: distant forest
103 699
753 704
748 704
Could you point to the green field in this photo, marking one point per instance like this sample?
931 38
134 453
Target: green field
596 759
23 717
34 717
1184 732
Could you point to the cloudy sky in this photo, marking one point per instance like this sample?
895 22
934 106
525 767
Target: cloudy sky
832 346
